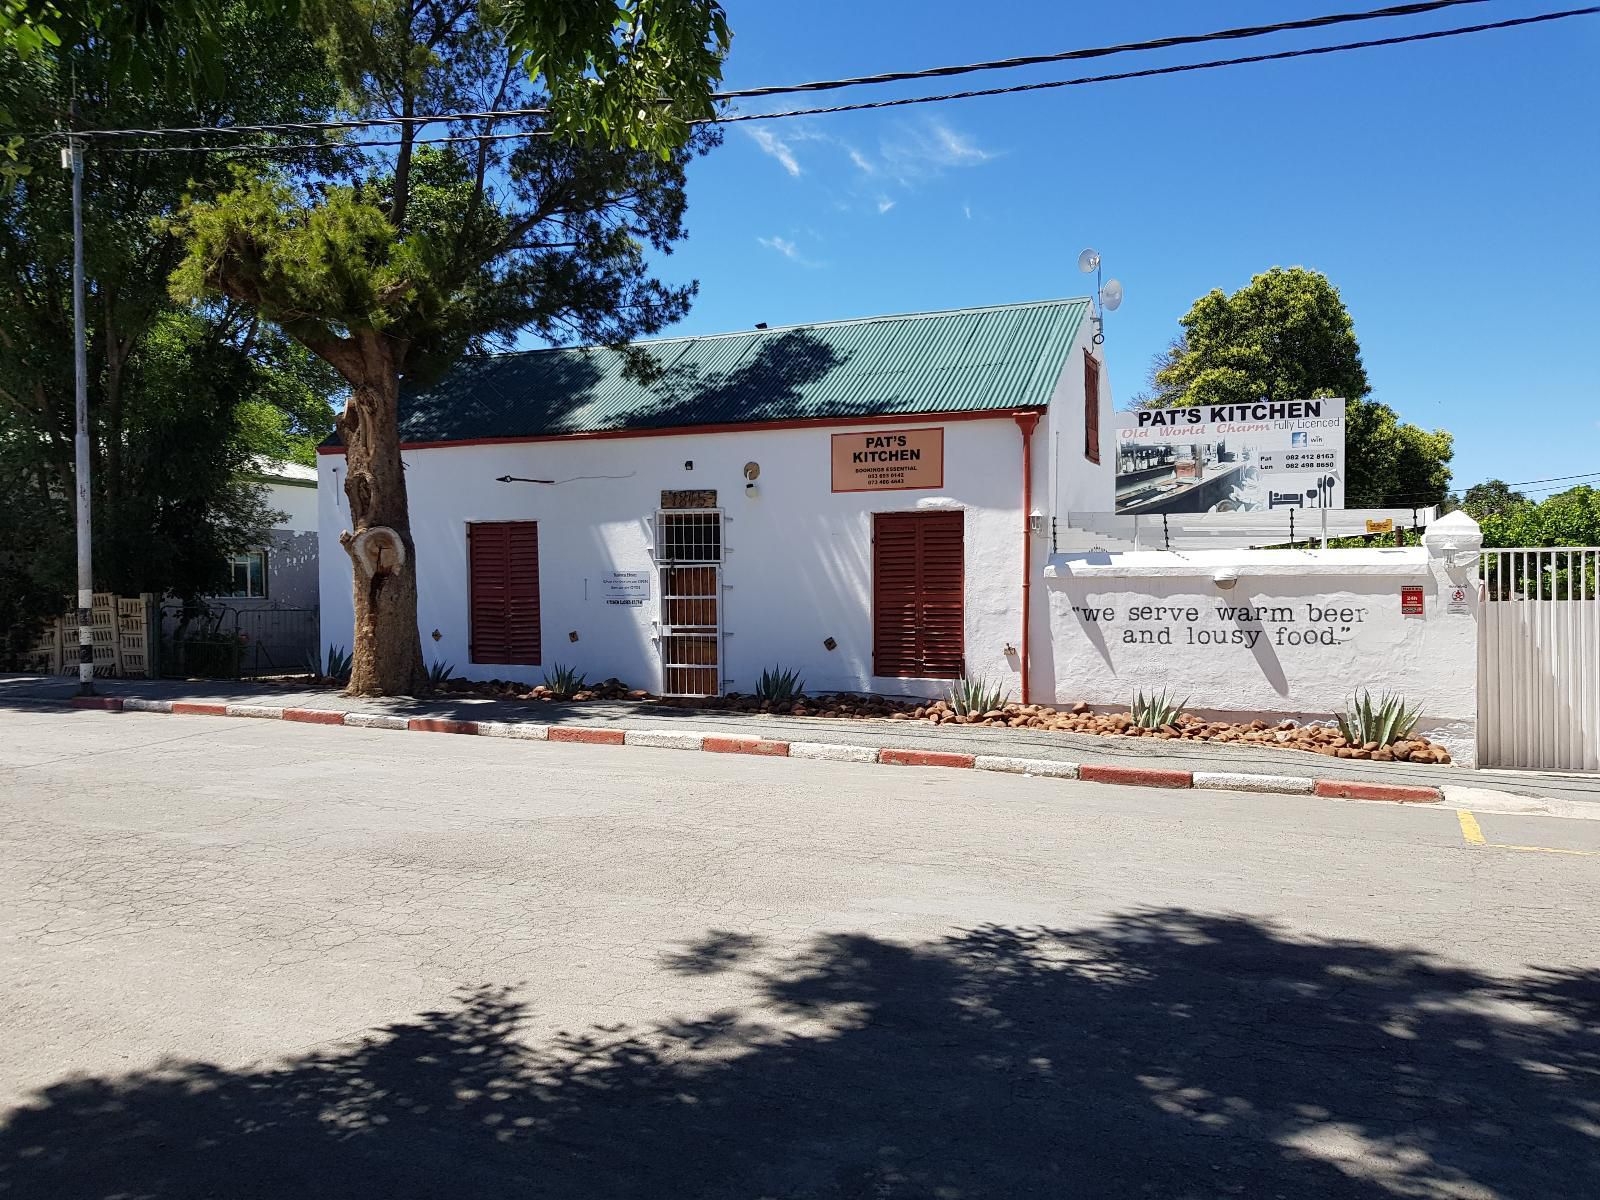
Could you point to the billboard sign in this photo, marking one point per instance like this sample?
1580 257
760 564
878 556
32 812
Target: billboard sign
1231 457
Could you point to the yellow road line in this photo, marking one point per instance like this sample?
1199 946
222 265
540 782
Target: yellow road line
1469 828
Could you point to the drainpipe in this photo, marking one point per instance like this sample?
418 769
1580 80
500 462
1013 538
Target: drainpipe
1027 422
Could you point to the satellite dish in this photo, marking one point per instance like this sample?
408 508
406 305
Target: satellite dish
1111 295
1089 261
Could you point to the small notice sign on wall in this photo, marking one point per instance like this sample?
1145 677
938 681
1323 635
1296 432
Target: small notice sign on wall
1457 603
630 588
1384 526
887 460
1411 601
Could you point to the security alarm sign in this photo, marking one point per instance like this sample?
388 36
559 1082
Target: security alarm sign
1411 601
887 460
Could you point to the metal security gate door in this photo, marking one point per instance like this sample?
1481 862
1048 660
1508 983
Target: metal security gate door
1539 660
689 558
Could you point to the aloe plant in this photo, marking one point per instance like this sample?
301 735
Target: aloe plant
337 665
1391 719
1155 710
441 672
976 696
779 685
564 682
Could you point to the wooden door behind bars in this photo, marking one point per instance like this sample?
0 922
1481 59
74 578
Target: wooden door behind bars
689 558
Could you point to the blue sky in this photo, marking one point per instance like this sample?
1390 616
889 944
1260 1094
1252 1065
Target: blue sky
1450 190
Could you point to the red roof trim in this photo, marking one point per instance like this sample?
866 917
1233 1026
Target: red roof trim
993 414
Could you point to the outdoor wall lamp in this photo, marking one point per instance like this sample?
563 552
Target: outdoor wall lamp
1226 578
1036 522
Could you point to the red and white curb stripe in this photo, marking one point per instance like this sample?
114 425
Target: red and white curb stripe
718 743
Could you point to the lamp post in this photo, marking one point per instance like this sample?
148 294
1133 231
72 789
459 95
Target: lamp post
72 159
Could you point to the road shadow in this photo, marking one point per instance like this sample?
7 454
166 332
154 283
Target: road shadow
1162 1053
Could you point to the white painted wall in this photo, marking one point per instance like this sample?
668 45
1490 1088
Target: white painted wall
798 556
1158 615
297 502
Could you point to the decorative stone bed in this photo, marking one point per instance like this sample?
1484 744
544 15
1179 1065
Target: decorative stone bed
1324 739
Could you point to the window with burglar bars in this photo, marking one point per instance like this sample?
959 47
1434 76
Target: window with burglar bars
918 586
689 560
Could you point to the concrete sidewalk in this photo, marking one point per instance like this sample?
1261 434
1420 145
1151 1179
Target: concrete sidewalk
918 735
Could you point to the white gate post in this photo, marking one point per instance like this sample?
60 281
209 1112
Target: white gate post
1454 543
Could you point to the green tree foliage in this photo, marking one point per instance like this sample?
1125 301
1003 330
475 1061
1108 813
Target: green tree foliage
1483 500
1569 518
179 398
1287 336
441 250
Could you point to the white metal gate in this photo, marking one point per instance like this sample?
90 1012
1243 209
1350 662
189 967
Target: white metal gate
689 561
1539 659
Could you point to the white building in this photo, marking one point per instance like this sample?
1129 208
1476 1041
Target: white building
868 502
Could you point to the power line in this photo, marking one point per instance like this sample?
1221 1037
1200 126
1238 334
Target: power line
1249 31
732 118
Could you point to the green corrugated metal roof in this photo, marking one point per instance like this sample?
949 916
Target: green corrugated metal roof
964 360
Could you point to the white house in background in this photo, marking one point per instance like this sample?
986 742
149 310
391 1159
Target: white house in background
867 502
282 572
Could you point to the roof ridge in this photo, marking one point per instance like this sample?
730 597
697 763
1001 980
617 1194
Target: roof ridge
752 332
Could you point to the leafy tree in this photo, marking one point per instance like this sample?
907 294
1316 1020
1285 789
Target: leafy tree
178 399
1569 518
1287 336
1490 499
446 249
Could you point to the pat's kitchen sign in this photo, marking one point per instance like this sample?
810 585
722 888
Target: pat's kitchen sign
886 460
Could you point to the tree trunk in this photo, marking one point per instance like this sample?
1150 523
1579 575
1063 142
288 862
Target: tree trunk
388 649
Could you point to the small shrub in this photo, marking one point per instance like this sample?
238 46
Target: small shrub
1389 721
564 682
441 672
336 667
976 696
780 685
1155 710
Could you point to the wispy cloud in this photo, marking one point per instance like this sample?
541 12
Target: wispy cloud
775 146
922 152
884 204
966 210
788 249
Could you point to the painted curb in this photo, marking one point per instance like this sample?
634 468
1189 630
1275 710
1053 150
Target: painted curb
103 703
829 752
441 725
665 739
746 745
587 737
194 708
263 711
313 716
675 739
361 720
925 758
1048 767
1136 776
1240 781
1350 789
526 730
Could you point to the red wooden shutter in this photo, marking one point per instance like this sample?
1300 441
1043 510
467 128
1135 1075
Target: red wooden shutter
1091 407
919 583
503 567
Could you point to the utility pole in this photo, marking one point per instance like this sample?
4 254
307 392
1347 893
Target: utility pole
72 157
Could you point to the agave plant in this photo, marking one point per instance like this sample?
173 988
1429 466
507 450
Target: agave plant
441 672
780 685
337 665
976 696
1390 719
1155 710
564 682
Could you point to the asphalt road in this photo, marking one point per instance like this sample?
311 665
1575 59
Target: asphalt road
249 959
